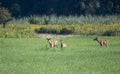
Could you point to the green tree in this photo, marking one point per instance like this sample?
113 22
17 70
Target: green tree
5 16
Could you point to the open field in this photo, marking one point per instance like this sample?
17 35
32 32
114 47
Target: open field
82 56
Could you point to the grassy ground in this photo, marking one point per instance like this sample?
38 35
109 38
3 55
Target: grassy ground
82 56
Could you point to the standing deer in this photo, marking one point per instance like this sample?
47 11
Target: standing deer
53 43
102 42
63 45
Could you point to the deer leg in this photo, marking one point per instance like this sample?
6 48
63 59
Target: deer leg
107 45
101 44
56 46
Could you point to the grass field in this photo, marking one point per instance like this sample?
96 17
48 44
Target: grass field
82 56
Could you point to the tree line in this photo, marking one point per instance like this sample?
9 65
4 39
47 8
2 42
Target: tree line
20 8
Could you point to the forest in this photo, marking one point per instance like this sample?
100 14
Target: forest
19 8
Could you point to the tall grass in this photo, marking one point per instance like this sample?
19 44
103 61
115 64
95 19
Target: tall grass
16 31
67 20
86 29
13 30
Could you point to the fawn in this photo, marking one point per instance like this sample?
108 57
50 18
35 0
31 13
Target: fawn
53 43
102 42
63 45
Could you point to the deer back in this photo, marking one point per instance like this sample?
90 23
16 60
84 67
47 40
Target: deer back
53 42
104 41
64 45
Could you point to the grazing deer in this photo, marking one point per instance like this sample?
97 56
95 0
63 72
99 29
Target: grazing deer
102 42
53 43
63 45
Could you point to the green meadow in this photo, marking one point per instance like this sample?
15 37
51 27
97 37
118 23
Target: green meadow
81 56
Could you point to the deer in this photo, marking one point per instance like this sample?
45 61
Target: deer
53 43
102 42
63 45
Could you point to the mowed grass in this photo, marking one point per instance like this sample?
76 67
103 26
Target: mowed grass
82 56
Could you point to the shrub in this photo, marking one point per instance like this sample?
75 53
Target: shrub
88 29
31 30
111 33
33 20
67 30
68 20
16 31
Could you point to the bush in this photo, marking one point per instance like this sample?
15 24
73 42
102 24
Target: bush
67 30
16 31
88 29
68 20
33 20
31 30
111 33
49 29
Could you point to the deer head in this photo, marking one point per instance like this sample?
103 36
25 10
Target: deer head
63 45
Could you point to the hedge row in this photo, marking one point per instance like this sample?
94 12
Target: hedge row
88 29
18 31
31 30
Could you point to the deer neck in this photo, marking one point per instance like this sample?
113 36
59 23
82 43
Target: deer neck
49 41
98 41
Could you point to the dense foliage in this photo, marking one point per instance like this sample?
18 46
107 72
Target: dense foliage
12 30
61 7
16 31
67 20
88 29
